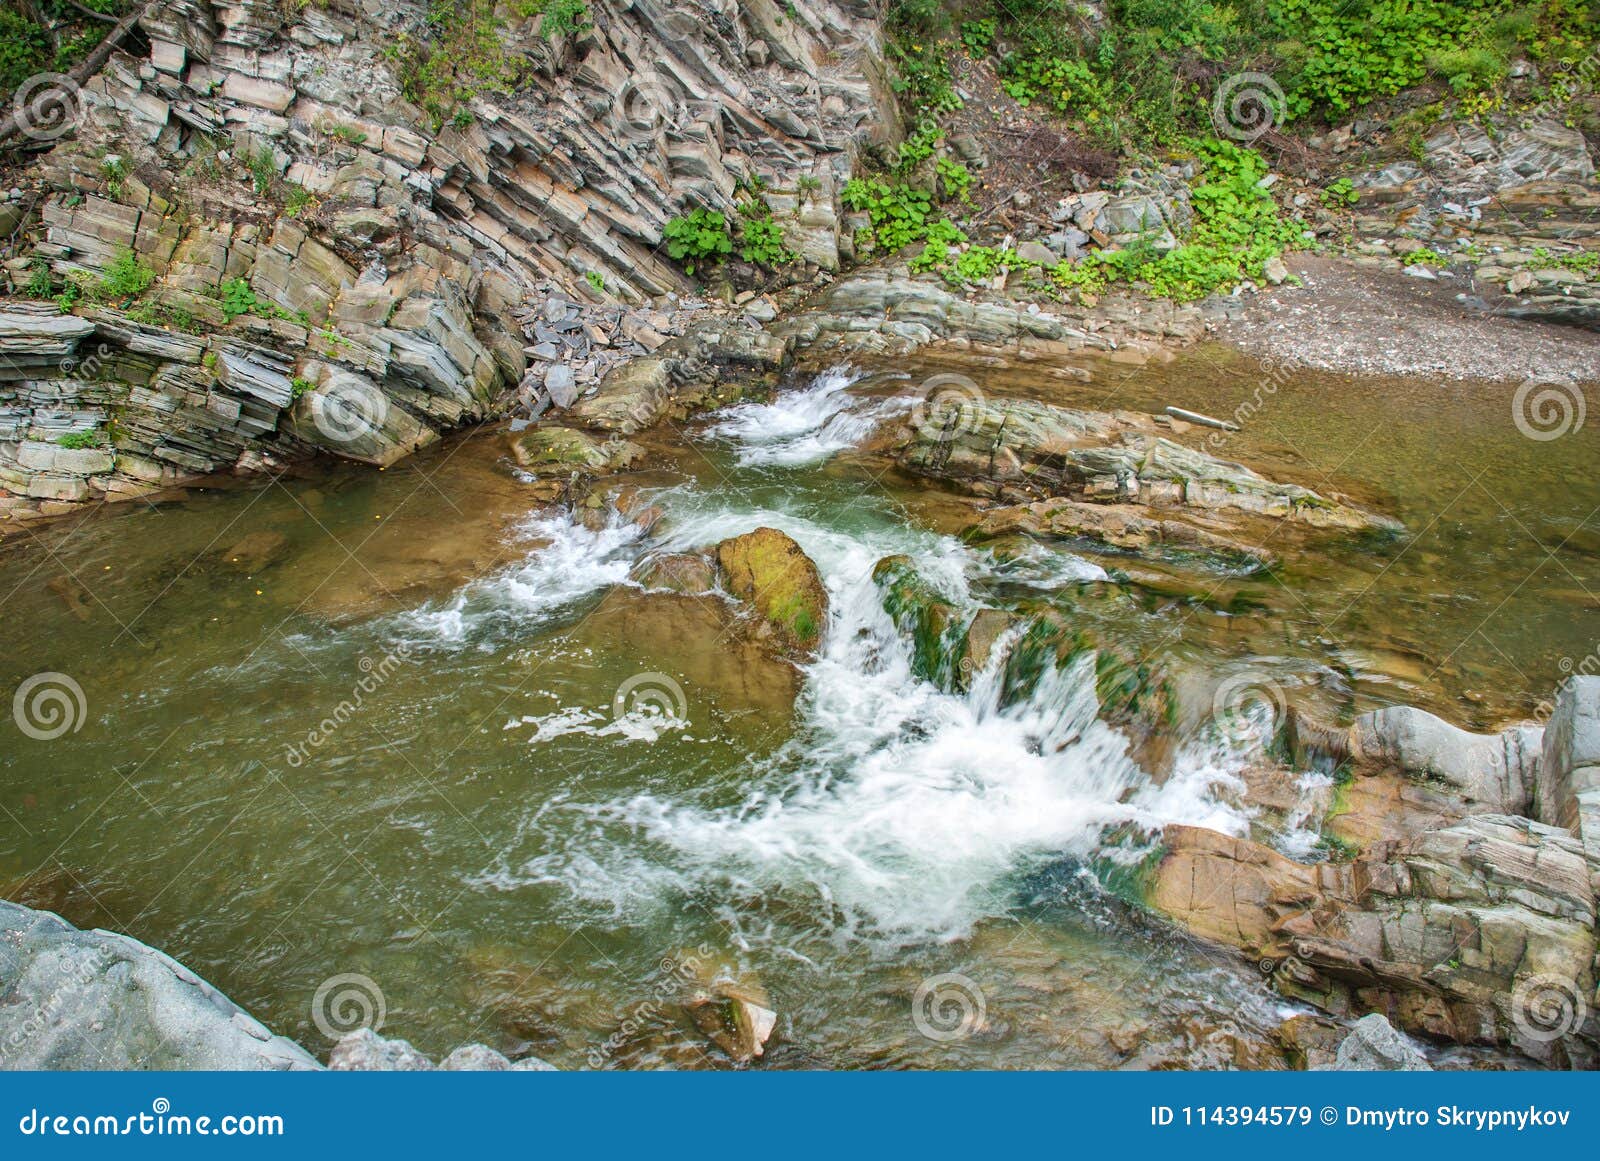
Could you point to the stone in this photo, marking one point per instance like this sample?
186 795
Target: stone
551 450
365 1051
770 572
1275 271
475 1058
1373 1045
89 1000
1038 252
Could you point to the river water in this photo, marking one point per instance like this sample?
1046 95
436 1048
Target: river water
411 732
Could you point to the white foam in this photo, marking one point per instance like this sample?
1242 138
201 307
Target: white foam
902 808
805 426
570 563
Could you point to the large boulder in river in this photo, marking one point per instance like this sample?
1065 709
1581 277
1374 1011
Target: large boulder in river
769 571
1021 450
96 1000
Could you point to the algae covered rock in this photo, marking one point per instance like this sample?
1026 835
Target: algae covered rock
767 570
561 450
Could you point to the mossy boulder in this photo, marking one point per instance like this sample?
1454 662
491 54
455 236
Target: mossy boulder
563 451
767 570
935 626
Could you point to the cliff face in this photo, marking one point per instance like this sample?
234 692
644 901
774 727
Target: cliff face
280 252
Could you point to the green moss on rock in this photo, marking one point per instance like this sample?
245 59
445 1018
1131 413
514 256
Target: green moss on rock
768 570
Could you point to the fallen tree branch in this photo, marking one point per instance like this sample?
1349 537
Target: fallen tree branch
19 119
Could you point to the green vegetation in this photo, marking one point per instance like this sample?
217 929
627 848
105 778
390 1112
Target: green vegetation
297 201
56 36
115 171
703 237
1151 72
699 237
78 440
349 134
461 55
299 387
263 167
561 17
126 277
238 299
596 281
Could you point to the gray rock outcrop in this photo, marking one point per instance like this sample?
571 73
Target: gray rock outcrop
1373 1045
72 999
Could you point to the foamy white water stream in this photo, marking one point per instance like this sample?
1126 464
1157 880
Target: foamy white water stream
898 810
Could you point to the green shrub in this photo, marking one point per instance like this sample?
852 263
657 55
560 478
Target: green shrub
77 440
760 238
561 17
698 237
127 276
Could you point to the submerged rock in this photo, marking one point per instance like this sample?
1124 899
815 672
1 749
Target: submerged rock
687 573
552 450
1098 470
96 1000
769 571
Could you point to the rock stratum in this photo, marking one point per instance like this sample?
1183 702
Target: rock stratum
327 266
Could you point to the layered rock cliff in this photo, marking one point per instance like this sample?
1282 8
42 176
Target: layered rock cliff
286 230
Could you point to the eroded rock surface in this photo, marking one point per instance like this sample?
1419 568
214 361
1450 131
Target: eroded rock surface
72 999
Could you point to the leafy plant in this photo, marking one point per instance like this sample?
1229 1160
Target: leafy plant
761 238
1340 194
263 167
115 171
596 281
561 17
299 387
126 276
78 440
698 237
297 201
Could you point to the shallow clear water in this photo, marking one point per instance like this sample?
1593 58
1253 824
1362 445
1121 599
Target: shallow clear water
434 738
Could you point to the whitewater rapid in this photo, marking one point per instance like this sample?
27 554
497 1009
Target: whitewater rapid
898 811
